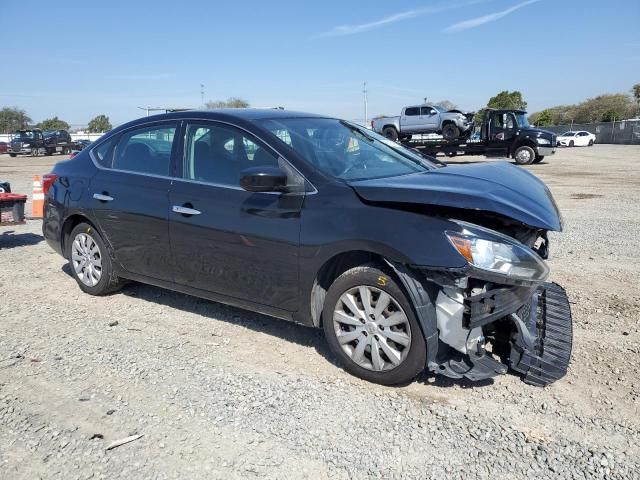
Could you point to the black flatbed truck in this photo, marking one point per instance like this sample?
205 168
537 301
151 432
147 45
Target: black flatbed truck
502 133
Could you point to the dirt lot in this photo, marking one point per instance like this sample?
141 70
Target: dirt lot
218 392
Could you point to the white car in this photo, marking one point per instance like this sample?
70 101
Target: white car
580 138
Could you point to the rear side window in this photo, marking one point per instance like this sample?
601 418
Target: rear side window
145 150
103 153
412 112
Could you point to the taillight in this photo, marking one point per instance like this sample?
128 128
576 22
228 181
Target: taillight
47 181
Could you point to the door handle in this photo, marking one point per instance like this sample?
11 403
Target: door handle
102 197
185 210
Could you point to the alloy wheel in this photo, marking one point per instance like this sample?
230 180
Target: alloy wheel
372 328
86 259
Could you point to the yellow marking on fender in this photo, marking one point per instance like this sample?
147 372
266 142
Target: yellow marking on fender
382 280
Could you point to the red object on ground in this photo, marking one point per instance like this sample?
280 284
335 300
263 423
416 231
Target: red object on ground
12 208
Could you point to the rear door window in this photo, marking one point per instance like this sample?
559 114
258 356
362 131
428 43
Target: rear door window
145 150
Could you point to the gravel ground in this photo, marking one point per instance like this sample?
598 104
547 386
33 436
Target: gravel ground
219 392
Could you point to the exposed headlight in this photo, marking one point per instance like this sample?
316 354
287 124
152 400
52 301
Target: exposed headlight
498 254
543 141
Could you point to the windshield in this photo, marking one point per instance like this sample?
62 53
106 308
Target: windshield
344 150
27 134
568 134
440 109
521 118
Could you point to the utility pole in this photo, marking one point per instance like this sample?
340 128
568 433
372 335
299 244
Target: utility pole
202 94
364 92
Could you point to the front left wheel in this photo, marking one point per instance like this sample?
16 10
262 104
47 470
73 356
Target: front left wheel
450 131
90 261
524 155
371 327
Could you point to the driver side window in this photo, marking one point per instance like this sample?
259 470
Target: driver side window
218 153
145 150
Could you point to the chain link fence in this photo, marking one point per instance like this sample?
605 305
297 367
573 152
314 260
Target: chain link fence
625 132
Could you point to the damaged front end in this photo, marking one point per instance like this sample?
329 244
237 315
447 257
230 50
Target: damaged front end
496 313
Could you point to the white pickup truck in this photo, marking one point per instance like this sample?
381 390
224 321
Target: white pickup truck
451 124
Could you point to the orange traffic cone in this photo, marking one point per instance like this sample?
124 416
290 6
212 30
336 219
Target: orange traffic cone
37 201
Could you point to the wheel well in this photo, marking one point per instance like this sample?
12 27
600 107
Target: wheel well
447 122
332 269
390 125
68 226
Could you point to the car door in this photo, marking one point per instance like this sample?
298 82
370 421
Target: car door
227 240
410 120
502 131
582 139
430 118
130 197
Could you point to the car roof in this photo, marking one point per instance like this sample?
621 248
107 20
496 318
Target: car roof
240 113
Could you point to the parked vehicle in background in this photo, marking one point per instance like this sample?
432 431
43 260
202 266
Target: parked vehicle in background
406 264
580 138
451 124
503 133
35 142
5 187
80 145
4 147
59 141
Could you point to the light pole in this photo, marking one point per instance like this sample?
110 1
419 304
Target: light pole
364 92
202 95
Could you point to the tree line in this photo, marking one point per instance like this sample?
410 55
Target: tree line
14 118
603 108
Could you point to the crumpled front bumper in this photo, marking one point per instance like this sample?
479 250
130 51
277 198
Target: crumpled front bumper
476 329
538 319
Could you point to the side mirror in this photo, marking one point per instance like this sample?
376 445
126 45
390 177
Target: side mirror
263 179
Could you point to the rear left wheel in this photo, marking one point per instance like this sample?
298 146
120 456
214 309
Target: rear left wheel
90 262
391 133
370 326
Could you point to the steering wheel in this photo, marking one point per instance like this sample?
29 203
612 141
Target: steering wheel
356 163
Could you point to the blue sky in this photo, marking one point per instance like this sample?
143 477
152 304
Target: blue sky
80 59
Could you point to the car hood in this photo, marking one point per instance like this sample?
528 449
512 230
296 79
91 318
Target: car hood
22 140
535 132
497 187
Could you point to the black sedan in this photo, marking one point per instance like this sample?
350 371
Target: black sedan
406 264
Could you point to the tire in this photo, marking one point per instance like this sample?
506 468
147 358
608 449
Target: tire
391 133
571 143
450 131
378 367
83 251
524 155
13 155
538 159
35 152
591 143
